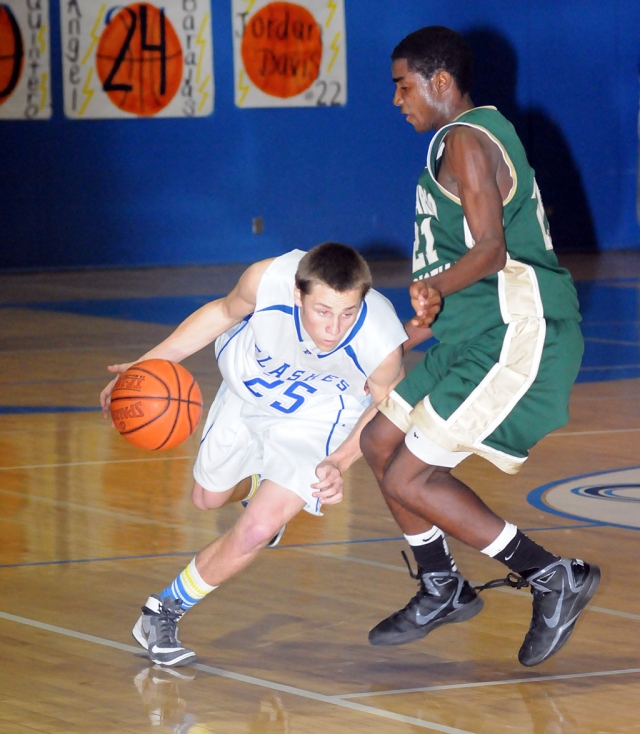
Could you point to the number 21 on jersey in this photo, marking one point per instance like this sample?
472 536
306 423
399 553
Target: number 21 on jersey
425 204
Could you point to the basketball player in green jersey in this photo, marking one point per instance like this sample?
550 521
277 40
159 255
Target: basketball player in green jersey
488 285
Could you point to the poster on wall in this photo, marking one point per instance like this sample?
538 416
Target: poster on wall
137 61
25 61
289 54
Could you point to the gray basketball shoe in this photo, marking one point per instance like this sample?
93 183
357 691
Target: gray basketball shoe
443 597
157 631
560 592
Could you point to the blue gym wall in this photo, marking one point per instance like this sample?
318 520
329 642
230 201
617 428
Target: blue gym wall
165 191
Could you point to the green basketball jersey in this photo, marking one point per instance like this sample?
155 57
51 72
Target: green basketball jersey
531 284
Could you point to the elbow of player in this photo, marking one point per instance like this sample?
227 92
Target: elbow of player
499 257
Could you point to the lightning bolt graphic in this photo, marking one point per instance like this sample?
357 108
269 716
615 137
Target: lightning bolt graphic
41 40
95 38
244 88
43 79
203 91
250 4
202 44
336 50
332 7
87 91
43 89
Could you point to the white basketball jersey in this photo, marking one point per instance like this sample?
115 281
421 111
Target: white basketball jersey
269 359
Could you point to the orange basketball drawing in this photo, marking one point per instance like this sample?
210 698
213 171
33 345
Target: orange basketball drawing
282 49
139 60
11 53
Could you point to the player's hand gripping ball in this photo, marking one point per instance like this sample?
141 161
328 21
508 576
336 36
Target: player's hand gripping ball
156 404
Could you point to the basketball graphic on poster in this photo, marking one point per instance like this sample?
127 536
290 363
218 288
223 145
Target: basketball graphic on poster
139 60
289 54
282 49
11 53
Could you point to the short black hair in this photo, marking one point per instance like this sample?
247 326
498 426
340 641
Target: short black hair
436 48
336 265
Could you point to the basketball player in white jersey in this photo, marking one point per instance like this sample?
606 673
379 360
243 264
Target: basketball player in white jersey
306 350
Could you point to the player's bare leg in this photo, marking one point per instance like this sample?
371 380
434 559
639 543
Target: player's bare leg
432 493
420 495
271 507
415 491
206 500
379 441
444 596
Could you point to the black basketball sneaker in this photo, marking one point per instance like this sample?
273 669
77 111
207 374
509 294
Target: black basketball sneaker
443 597
560 592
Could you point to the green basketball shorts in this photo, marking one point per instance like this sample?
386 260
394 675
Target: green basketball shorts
496 395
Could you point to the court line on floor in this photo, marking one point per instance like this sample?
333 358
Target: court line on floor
483 684
70 464
310 551
281 547
53 381
57 465
46 409
248 679
108 559
505 590
112 348
120 515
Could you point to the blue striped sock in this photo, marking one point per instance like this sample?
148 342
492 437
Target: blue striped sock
188 586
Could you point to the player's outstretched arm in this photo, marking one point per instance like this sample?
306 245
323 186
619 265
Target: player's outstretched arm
329 487
213 319
201 327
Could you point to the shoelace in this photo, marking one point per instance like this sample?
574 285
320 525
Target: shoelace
167 630
512 580
421 590
413 575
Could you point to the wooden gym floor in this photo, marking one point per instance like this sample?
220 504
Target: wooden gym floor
90 525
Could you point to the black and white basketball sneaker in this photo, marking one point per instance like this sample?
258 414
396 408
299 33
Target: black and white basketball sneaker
157 631
560 592
444 597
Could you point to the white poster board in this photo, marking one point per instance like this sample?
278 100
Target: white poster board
289 54
138 60
25 60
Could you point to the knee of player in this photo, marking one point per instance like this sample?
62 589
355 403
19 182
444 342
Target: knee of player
377 443
258 532
391 488
404 479
371 442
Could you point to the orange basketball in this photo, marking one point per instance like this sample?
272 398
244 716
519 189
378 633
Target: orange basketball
139 59
156 404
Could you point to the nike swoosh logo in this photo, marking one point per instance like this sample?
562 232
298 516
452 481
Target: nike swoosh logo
553 621
510 556
423 619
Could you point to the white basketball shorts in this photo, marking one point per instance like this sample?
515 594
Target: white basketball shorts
240 439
